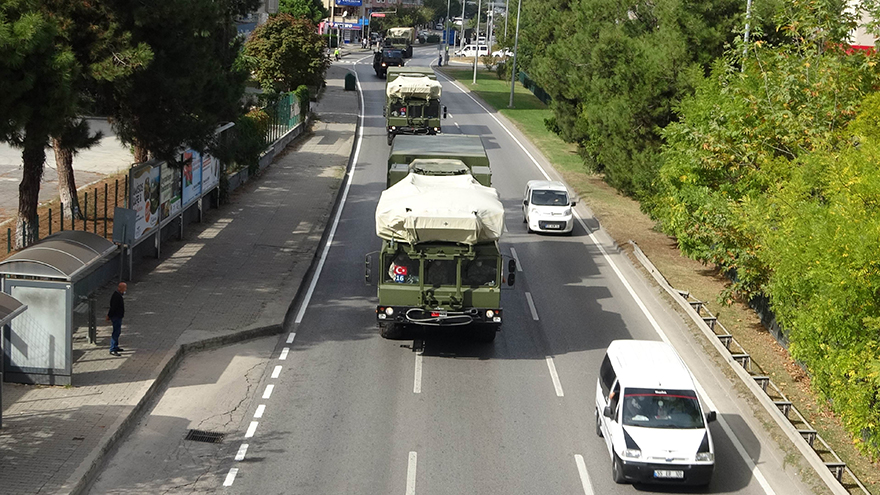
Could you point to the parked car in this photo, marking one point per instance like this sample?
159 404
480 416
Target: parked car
471 50
439 26
502 53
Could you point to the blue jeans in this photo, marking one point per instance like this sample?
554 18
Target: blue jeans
114 337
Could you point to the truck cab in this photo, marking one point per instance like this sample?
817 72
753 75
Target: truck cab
385 58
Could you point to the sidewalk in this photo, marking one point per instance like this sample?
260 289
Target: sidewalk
233 277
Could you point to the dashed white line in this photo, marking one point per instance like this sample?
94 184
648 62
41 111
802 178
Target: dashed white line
251 429
277 371
518 264
239 456
260 410
290 337
582 471
284 352
411 474
230 477
532 306
417 376
555 377
268 392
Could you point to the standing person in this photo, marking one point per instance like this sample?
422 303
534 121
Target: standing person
115 315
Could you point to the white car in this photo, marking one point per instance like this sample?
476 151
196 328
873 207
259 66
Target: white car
471 50
547 207
502 53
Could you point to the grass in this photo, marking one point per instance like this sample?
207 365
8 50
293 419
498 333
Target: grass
623 219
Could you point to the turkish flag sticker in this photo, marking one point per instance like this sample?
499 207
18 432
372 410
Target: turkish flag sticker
400 270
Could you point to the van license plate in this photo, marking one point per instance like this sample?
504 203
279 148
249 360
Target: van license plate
663 473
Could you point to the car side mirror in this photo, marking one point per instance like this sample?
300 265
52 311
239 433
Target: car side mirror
368 268
511 266
573 204
525 202
711 416
511 279
607 412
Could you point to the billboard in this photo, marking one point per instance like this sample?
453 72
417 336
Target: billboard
349 3
144 197
192 176
210 173
169 192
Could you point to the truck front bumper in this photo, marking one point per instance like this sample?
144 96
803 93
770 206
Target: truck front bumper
437 317
410 130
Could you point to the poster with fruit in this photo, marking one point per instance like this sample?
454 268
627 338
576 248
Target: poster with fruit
171 191
192 176
144 196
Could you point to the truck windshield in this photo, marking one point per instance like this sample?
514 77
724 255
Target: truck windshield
549 198
432 109
401 269
650 408
440 272
481 272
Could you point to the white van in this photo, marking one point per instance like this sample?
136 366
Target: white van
470 50
648 411
547 207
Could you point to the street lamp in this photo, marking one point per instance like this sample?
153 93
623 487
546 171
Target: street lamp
477 36
515 45
506 16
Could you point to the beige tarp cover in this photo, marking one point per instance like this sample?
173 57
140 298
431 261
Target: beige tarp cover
449 209
401 32
413 87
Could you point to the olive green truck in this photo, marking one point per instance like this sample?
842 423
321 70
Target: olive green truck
412 102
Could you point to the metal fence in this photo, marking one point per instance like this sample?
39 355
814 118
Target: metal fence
284 115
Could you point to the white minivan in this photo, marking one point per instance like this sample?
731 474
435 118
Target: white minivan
650 416
547 207
470 50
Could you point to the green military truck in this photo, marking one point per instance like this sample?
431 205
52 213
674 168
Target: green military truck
466 150
412 102
440 264
401 38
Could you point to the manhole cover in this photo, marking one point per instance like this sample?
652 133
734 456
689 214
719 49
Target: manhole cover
204 436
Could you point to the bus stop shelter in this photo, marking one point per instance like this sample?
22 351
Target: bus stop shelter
50 277
10 307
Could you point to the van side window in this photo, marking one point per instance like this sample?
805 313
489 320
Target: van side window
606 376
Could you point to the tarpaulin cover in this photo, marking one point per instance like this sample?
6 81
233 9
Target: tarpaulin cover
413 87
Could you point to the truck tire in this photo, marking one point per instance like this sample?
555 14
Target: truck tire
389 330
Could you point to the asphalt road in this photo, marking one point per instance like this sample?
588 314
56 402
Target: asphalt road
350 412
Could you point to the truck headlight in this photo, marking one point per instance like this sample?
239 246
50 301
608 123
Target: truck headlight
632 453
389 311
489 313
705 457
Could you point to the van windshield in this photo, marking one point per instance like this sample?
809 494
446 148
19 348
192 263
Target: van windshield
651 408
549 198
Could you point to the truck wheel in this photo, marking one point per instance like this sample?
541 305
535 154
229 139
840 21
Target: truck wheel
485 333
389 330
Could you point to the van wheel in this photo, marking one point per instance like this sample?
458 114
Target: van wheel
389 330
598 424
617 471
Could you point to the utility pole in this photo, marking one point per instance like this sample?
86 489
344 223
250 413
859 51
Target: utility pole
463 4
446 25
506 17
491 28
515 46
477 39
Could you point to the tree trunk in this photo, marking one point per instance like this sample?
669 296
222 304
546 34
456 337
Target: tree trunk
33 158
66 181
140 153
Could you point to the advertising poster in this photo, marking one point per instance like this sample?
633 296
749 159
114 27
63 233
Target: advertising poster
144 200
170 192
192 176
210 173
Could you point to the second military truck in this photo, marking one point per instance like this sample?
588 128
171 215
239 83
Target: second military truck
412 102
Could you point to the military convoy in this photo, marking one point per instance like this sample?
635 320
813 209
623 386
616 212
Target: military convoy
412 102
401 38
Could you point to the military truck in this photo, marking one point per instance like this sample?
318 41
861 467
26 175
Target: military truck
385 58
440 264
401 38
466 149
412 102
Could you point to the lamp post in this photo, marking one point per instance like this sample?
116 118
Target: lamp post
463 5
515 46
477 39
446 25
506 16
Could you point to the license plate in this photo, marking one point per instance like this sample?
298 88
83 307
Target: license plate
664 473
554 226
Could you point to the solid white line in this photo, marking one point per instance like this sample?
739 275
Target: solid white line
239 456
411 474
260 410
582 471
268 392
555 377
417 378
284 352
357 151
532 306
518 264
277 371
739 447
290 337
230 477
251 429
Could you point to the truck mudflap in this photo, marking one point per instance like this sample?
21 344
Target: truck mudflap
437 317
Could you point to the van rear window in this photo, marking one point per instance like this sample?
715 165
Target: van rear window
653 408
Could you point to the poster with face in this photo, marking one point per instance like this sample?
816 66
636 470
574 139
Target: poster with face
144 197
210 173
192 176
170 194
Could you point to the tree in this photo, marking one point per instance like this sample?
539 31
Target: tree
404 17
36 74
286 52
312 10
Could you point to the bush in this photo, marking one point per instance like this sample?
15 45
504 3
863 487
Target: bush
332 41
302 94
489 62
249 143
502 70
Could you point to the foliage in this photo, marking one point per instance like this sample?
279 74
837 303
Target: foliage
248 142
302 94
489 62
404 17
312 10
286 52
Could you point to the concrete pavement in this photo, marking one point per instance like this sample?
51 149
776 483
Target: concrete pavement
233 277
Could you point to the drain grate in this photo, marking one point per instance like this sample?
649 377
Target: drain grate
204 436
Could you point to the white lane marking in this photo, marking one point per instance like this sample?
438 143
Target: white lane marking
411 474
251 429
505 228
290 337
239 456
555 377
582 471
417 377
277 371
518 264
326 250
230 477
260 410
739 447
284 352
268 392
532 306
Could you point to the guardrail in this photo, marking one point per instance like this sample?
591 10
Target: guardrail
817 451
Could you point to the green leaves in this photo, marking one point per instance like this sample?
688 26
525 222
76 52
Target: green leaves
286 52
